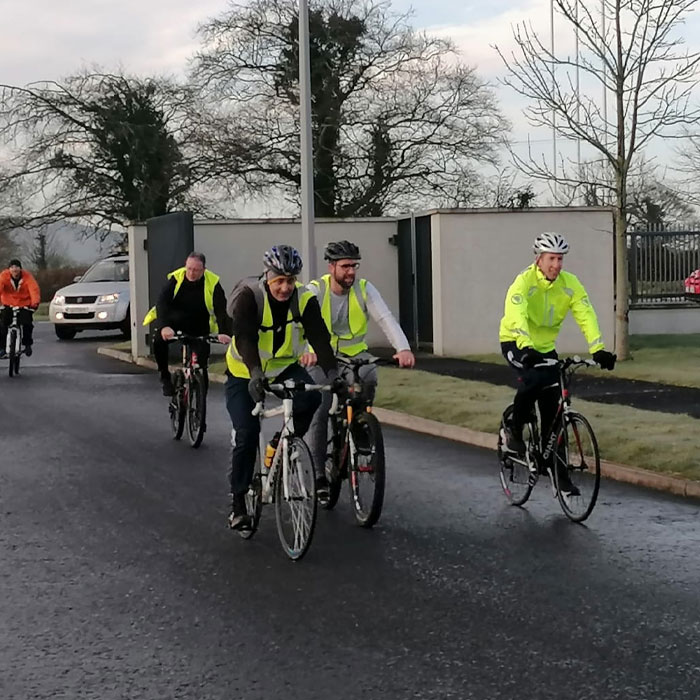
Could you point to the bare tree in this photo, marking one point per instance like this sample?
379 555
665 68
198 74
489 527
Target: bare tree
631 52
398 120
96 149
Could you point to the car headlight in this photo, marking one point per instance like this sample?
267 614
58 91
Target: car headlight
108 298
59 299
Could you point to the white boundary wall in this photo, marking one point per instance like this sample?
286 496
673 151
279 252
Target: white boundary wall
477 254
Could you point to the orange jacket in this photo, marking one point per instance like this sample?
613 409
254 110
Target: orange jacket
27 294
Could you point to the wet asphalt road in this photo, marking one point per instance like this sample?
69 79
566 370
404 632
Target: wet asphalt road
120 580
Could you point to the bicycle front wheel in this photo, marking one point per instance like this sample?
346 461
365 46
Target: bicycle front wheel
367 468
518 474
577 474
176 407
196 410
334 473
295 499
13 354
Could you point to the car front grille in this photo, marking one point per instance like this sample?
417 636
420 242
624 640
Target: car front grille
70 316
81 300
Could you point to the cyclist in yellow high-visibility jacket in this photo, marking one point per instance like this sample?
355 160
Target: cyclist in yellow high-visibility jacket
536 304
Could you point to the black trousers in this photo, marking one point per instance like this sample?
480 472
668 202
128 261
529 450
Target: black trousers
246 427
24 318
534 385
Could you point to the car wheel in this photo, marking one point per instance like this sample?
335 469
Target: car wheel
125 326
65 332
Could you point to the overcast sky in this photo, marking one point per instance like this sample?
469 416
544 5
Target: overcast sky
45 39
48 39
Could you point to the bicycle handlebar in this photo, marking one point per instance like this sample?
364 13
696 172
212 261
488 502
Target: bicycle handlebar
575 361
294 386
361 362
179 335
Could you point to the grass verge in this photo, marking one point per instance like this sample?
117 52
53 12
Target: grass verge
661 442
42 313
669 359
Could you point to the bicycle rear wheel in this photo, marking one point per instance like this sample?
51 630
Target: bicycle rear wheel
367 468
196 409
518 475
176 407
295 499
579 459
13 354
334 470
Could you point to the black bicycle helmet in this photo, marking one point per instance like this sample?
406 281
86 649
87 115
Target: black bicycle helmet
284 260
341 250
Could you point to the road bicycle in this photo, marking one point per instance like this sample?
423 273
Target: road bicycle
570 447
356 448
13 343
289 482
188 404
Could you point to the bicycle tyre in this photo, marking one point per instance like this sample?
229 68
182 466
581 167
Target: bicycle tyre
296 514
582 467
196 410
333 470
176 407
253 502
368 449
517 479
13 356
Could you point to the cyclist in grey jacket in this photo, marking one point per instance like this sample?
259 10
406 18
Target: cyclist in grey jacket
347 303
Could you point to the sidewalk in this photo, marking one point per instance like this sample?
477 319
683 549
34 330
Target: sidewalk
594 385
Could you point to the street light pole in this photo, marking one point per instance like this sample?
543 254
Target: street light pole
308 244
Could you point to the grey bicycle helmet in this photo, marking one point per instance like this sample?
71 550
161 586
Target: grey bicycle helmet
284 260
341 250
550 243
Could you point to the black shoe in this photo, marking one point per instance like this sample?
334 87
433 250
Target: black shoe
566 486
513 440
322 488
239 518
28 350
167 383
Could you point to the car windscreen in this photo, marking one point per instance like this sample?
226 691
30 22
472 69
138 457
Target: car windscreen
107 271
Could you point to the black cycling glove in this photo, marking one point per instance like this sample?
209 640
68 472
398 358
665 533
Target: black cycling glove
605 359
531 357
256 385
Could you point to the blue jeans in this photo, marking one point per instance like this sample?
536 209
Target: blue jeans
246 427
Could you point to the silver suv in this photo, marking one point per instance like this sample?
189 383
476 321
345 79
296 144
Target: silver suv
99 300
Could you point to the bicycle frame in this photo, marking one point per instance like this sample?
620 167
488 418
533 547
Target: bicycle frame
268 476
566 369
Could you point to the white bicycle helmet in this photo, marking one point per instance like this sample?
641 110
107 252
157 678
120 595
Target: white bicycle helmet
550 243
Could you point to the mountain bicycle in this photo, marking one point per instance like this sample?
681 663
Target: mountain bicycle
356 448
188 404
570 447
13 343
290 481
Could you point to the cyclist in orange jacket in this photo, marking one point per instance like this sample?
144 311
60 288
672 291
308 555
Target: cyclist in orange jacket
18 288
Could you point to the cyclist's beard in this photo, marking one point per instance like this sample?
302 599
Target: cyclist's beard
345 281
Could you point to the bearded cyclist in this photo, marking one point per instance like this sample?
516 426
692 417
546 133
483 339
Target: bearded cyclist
536 305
